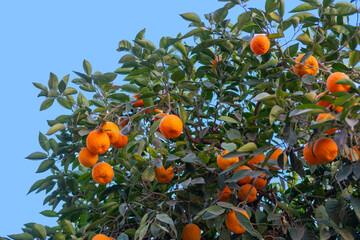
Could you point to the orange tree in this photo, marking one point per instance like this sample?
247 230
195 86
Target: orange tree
230 100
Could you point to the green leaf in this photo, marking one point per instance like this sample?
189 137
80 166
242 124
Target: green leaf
178 76
245 222
44 142
327 3
55 128
120 96
36 185
304 7
148 175
124 71
130 88
146 44
271 5
40 86
166 219
248 147
217 210
124 45
346 81
39 231
46 104
228 119
243 20
37 156
53 82
228 146
123 236
192 17
345 8
354 58
281 8
87 67
154 127
45 165
22 236
88 87
274 113
195 31
220 14
49 213
355 203
183 114
69 91
65 102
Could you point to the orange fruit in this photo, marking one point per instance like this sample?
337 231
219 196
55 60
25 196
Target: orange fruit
191 232
162 175
171 126
325 149
275 156
225 163
102 173
216 60
139 103
243 192
331 83
327 116
260 44
98 141
309 155
357 152
112 130
123 122
87 158
256 160
246 179
121 142
100 237
322 103
260 181
225 193
310 66
159 116
233 224
147 111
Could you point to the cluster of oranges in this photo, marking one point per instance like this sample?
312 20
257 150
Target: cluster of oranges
98 142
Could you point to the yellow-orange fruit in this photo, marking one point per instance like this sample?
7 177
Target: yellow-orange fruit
225 163
243 192
256 161
325 149
309 155
322 103
275 156
233 224
100 237
246 179
139 103
171 126
159 116
310 66
98 141
162 175
102 173
225 193
260 44
331 83
191 232
216 60
112 130
121 142
87 158
327 115
357 152
260 181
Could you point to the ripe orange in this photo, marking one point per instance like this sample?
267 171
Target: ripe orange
121 142
322 103
246 179
162 175
191 232
216 60
309 155
159 116
112 130
100 237
87 158
310 66
233 224
102 173
260 44
260 181
147 111
256 160
357 152
171 126
225 163
139 103
275 156
123 122
325 149
243 192
225 193
98 141
331 83
327 116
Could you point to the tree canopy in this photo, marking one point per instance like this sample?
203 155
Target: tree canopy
262 143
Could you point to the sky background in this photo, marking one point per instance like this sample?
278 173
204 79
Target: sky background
39 37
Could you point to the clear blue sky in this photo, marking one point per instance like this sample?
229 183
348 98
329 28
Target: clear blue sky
39 37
